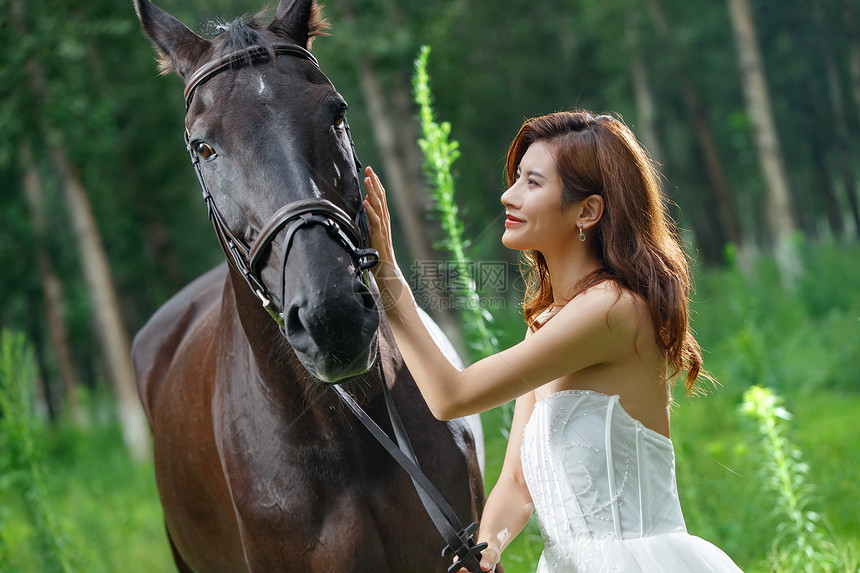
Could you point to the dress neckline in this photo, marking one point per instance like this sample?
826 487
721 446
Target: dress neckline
616 398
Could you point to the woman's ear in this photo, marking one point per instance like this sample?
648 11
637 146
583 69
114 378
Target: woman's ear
590 211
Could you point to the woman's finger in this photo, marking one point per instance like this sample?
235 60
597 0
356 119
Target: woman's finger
378 191
382 196
489 559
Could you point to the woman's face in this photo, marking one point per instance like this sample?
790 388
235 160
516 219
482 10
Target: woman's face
535 220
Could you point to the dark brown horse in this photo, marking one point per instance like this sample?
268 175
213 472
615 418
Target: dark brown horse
259 466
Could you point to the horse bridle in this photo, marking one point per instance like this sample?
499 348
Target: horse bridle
353 235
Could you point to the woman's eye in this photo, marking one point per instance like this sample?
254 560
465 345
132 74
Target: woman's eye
204 150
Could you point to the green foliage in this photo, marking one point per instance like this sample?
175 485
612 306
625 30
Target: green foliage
800 544
21 470
804 341
440 155
491 68
57 483
803 345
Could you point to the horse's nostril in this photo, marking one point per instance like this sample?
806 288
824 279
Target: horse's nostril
364 296
293 322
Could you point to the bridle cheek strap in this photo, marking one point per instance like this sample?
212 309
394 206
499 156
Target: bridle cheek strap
352 235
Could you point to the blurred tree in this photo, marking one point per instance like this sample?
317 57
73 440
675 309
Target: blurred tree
840 120
108 319
853 37
386 93
646 111
779 201
677 84
711 239
52 288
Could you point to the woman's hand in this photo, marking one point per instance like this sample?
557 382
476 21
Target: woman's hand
489 559
388 276
377 213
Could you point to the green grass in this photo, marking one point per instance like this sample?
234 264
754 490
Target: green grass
111 510
106 504
805 346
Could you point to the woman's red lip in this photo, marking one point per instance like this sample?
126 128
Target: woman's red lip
510 221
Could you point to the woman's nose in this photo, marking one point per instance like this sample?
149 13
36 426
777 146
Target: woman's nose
508 196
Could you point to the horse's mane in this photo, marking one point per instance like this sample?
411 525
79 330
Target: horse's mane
247 31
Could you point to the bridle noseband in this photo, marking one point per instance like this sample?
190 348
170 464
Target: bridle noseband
351 234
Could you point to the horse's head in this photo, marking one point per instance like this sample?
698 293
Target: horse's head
267 134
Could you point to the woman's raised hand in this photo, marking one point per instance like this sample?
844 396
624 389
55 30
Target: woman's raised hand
377 213
388 276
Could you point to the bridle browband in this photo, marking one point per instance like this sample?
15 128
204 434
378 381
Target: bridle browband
246 56
353 236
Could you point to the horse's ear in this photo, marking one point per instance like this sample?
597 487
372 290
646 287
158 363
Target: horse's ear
299 20
180 48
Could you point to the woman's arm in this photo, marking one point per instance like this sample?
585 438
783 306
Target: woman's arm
592 328
509 505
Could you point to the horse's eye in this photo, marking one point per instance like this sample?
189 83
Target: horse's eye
204 150
339 119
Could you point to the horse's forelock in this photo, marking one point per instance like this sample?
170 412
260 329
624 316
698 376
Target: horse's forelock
247 31
241 33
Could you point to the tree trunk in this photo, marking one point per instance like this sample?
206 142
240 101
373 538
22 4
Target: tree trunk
405 189
778 195
713 166
824 185
52 290
843 146
404 192
853 49
646 112
105 304
837 106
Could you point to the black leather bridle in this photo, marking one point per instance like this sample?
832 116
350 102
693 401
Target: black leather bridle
353 235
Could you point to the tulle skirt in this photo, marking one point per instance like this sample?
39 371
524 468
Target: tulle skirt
663 553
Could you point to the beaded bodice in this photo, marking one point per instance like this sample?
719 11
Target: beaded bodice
593 471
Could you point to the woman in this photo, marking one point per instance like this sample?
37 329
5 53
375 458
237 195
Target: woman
607 287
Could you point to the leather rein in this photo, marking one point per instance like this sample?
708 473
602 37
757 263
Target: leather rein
353 236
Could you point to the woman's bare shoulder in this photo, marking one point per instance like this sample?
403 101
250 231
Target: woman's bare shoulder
622 305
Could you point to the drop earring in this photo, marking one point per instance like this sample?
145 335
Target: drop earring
581 234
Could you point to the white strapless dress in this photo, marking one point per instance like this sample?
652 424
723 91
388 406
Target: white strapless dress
604 491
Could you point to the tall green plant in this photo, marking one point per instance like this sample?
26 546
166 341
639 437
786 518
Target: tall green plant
440 153
20 456
800 544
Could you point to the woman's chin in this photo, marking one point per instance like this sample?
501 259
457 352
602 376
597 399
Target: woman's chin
511 242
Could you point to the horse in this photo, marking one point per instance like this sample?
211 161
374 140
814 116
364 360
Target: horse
258 465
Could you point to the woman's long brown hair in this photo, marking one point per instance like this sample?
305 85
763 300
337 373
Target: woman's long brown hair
636 239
